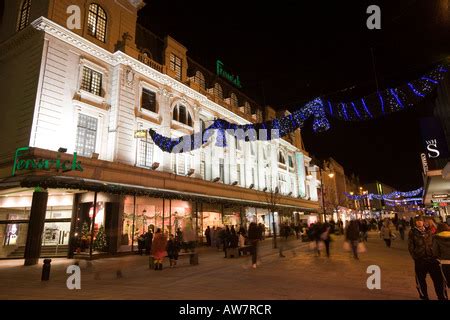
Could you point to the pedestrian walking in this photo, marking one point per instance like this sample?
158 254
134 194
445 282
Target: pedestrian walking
208 236
441 249
401 228
173 249
386 233
317 232
253 237
326 237
352 236
213 236
420 247
148 241
159 249
141 244
285 232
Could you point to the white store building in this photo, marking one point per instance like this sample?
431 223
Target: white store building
89 92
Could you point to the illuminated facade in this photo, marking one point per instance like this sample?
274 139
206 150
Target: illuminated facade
94 92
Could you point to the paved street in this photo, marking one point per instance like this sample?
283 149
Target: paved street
303 276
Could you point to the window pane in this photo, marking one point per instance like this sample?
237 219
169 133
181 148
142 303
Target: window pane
86 135
182 118
148 100
145 153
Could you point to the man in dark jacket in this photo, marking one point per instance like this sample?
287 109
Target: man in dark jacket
441 249
352 236
420 249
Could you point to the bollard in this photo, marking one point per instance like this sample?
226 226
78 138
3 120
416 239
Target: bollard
46 270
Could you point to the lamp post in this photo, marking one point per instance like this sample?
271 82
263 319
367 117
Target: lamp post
322 190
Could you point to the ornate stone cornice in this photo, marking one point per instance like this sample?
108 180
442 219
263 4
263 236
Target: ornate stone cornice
54 29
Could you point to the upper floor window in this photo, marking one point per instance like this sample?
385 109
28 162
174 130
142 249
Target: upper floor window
291 162
86 135
234 100
259 115
24 15
247 108
145 158
91 81
97 22
181 114
199 78
148 100
281 158
218 92
176 65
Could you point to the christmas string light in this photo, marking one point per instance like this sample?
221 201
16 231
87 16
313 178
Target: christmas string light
389 100
390 196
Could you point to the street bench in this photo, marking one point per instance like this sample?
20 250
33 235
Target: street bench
193 258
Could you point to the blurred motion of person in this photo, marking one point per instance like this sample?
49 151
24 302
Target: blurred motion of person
253 237
441 249
352 236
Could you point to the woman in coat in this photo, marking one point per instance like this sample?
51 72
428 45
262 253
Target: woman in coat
386 233
159 248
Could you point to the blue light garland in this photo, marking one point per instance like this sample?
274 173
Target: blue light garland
391 196
390 100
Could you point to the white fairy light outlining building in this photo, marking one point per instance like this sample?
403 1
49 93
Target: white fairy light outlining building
78 104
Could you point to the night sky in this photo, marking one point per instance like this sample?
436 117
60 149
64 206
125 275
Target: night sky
288 52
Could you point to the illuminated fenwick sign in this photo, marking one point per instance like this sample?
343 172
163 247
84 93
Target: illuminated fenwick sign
230 77
44 164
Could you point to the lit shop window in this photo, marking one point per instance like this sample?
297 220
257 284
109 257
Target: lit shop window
181 114
145 153
148 100
97 22
176 65
24 15
92 81
86 135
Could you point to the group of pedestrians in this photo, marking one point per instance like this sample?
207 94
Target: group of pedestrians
228 237
163 247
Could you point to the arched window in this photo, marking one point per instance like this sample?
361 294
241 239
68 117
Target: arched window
181 114
97 22
199 78
24 15
247 108
234 100
281 158
218 92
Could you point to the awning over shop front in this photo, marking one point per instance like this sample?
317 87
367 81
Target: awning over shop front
73 183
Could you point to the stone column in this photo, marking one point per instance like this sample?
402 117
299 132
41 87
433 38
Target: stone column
36 227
